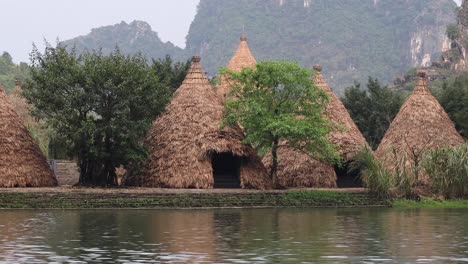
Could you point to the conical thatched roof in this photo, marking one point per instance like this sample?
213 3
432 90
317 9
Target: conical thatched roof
243 58
346 134
181 141
421 124
22 163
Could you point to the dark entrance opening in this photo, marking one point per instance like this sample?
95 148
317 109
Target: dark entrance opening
346 177
226 170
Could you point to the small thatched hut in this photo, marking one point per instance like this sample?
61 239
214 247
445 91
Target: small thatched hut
243 58
22 164
422 124
188 148
297 169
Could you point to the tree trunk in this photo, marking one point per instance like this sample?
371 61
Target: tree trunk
274 165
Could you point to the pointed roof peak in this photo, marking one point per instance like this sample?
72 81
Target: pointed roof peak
319 81
196 74
421 86
318 67
243 57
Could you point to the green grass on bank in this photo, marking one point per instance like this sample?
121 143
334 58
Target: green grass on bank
430 203
189 200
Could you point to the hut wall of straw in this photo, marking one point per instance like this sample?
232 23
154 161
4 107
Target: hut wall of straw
421 125
22 164
298 169
183 140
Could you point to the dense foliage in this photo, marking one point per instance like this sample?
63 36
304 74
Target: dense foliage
276 104
171 73
373 174
448 170
454 98
11 72
101 105
372 109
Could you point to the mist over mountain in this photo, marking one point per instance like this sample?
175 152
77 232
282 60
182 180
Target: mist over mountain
352 39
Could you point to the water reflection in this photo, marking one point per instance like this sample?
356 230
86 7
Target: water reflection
235 236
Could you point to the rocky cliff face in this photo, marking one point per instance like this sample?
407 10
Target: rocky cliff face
352 39
456 56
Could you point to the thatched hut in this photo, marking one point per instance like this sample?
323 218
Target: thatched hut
297 169
189 149
422 124
22 164
242 58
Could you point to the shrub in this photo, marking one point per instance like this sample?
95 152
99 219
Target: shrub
448 169
373 174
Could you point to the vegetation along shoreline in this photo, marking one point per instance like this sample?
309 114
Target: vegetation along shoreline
148 198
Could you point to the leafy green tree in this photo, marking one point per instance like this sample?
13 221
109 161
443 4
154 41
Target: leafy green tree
11 72
373 110
101 105
276 103
454 98
171 73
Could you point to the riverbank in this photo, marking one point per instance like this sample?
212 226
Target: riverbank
430 203
153 198
90 198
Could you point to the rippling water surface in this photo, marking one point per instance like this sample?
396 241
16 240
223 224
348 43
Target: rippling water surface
235 236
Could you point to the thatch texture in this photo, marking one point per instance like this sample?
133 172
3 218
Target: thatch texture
421 125
22 163
182 140
297 169
345 134
243 58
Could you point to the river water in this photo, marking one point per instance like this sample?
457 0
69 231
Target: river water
235 236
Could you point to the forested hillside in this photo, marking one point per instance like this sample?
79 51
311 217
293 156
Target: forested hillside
352 39
10 72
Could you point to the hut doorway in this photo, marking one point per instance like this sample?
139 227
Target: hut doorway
226 170
347 178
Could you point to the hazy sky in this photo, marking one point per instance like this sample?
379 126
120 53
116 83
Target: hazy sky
23 22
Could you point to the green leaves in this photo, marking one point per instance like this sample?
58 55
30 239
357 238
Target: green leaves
373 109
278 101
102 105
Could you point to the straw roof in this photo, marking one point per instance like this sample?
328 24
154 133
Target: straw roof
182 140
243 58
22 163
421 124
345 134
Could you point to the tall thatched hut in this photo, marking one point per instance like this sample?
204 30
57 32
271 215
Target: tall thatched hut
297 169
422 124
189 149
242 58
22 164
